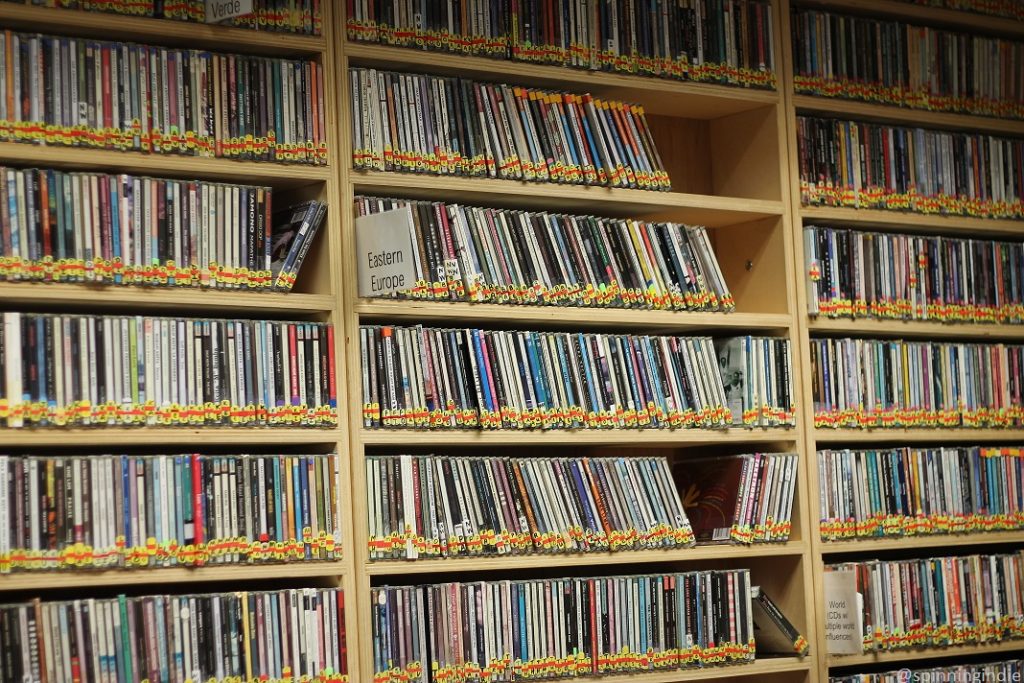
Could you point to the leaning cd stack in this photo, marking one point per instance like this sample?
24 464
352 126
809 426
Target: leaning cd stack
466 253
275 636
857 164
857 274
561 628
729 43
739 498
440 506
151 511
135 230
917 491
871 383
939 601
906 65
472 128
127 96
69 370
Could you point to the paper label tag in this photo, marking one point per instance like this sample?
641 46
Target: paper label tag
219 10
843 616
385 253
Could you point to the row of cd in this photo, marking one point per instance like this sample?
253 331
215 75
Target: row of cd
291 16
466 253
879 166
856 274
276 636
108 95
560 628
455 126
422 506
69 370
939 601
721 41
911 491
132 511
429 377
123 229
921 67
894 383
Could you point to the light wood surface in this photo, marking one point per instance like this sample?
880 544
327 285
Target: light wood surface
214 575
951 655
526 317
694 209
568 437
583 561
904 116
917 329
937 543
162 165
877 219
912 436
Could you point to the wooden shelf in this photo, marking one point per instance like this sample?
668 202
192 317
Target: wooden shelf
694 209
901 436
969 22
54 580
574 437
105 437
280 176
109 26
913 328
669 322
548 560
936 541
877 219
164 300
959 651
869 111
754 670
657 95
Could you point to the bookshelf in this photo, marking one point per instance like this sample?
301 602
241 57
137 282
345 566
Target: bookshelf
315 297
731 154
724 149
822 551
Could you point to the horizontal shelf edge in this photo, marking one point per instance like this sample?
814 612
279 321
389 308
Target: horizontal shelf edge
913 328
213 435
926 653
938 435
108 25
657 95
870 545
162 298
707 210
857 110
174 165
48 580
499 563
388 437
426 311
911 222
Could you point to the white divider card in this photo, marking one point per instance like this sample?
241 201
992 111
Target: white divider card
385 254
219 10
843 614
